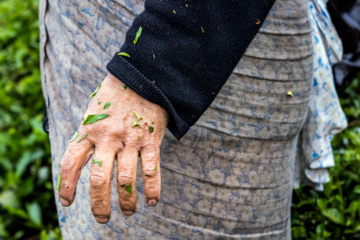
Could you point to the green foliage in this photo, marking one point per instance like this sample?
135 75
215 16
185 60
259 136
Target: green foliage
27 206
335 213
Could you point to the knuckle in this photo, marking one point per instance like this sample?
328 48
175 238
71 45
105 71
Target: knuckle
99 179
125 178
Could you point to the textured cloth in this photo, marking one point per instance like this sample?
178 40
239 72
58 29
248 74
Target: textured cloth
325 116
231 175
186 52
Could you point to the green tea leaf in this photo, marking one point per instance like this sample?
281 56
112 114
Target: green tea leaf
138 138
202 30
153 55
152 122
99 162
58 181
95 92
155 168
99 103
334 215
94 118
174 12
138 34
124 54
123 185
76 135
83 137
135 123
129 189
147 175
138 116
124 86
106 105
112 104
151 129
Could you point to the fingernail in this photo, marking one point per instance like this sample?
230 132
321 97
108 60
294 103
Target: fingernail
128 212
102 219
64 202
152 202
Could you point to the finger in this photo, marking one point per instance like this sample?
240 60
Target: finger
150 165
126 179
100 181
74 159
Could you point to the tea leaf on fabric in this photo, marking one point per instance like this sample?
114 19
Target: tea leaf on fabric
124 54
138 34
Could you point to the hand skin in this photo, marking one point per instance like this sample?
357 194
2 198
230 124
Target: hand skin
115 138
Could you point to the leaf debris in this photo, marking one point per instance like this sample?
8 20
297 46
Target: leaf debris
129 189
59 181
95 92
202 30
94 118
83 137
124 86
138 116
174 12
99 102
99 162
289 93
257 22
151 129
147 175
124 54
155 168
135 123
138 34
76 135
107 104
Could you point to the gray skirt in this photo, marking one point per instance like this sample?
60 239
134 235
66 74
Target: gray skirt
230 176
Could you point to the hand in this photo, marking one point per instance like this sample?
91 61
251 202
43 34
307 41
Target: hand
134 127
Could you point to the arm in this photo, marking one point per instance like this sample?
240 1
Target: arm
196 45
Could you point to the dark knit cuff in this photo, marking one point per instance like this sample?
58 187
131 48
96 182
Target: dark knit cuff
139 83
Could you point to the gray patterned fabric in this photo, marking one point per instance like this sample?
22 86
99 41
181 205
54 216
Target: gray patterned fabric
230 177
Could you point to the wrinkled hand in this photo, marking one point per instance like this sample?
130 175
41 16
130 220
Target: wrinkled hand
116 136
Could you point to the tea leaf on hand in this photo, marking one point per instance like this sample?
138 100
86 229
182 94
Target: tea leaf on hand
83 137
76 134
124 86
95 92
106 105
59 182
138 116
138 34
99 102
123 185
97 161
135 123
151 129
129 189
124 54
155 168
94 118
147 175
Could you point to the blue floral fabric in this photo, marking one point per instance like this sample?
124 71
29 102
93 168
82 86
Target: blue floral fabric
231 176
325 116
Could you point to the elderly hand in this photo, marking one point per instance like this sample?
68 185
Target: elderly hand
129 127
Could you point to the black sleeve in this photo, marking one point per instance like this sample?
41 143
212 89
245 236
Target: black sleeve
186 52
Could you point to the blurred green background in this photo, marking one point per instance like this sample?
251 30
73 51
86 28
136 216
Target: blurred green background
27 208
